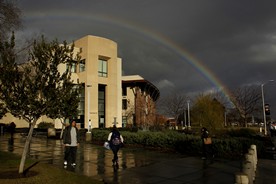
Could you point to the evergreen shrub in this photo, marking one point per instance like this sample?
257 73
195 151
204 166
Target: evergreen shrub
224 147
45 125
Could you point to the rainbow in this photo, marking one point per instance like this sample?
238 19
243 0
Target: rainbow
172 46
149 34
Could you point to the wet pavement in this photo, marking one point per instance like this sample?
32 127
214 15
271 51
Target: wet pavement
136 165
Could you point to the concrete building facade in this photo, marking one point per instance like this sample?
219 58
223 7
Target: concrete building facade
107 97
138 103
100 72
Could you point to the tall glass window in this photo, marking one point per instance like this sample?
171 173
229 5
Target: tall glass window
101 106
102 67
124 104
72 68
82 102
124 121
124 91
82 66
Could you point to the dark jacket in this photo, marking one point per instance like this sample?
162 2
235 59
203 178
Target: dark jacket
204 133
67 135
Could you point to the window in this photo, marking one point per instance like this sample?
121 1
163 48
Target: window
124 91
124 104
102 67
82 102
71 67
101 106
82 66
124 121
101 101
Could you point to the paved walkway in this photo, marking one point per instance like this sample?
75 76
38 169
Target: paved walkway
138 166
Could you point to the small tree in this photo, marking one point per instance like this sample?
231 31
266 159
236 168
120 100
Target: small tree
208 112
37 88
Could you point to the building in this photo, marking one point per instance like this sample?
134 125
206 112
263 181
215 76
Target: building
138 103
100 71
101 101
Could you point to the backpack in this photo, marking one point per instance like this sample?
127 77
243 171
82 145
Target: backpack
115 138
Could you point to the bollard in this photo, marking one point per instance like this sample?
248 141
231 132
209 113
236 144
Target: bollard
252 152
241 178
249 157
254 147
247 169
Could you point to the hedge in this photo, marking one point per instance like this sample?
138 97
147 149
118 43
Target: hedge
224 147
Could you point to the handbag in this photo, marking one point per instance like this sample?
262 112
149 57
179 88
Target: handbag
208 140
106 145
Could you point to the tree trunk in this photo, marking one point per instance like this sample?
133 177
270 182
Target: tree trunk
26 148
62 129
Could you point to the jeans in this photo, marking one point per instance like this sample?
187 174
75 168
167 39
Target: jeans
115 149
207 150
70 154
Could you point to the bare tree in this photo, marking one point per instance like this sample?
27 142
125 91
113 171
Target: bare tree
173 105
128 113
247 101
9 18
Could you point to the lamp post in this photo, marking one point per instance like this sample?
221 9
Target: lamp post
88 135
262 88
185 119
88 107
188 104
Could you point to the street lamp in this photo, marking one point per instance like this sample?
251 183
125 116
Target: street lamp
188 104
88 135
88 107
262 88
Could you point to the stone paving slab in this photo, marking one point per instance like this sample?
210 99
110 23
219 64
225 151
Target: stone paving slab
183 170
138 166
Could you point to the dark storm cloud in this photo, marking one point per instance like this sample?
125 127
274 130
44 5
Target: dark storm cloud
235 40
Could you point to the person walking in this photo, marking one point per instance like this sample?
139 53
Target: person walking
71 143
12 129
207 150
115 140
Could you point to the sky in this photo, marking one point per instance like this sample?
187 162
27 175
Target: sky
182 46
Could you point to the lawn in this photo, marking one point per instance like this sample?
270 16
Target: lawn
38 173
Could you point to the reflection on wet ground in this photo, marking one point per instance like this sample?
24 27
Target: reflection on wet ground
92 160
138 166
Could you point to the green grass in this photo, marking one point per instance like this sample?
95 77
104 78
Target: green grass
39 173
